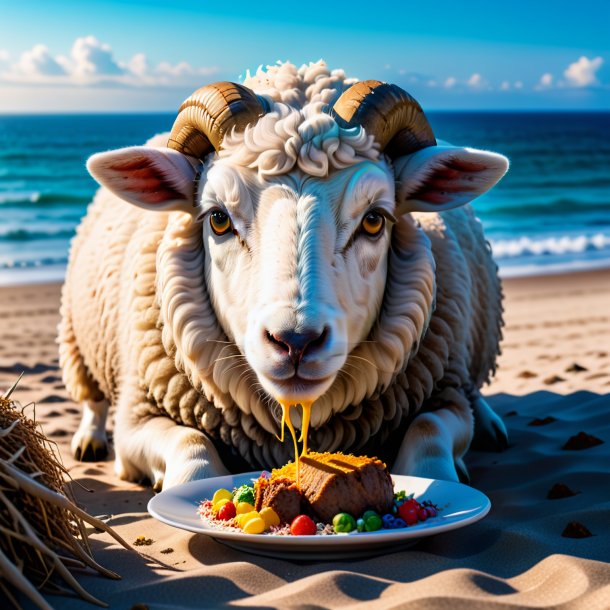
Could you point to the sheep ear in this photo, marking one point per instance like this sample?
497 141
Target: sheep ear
149 177
443 177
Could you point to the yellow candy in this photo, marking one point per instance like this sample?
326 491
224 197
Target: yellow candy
216 507
221 494
245 517
270 517
254 526
243 507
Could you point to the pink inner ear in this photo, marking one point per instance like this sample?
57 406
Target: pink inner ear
454 176
141 175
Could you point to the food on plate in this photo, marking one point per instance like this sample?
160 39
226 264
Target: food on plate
317 494
330 483
338 494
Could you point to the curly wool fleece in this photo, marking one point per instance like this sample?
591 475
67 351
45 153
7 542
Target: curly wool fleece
147 330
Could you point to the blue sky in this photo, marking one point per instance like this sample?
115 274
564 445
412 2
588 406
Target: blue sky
149 55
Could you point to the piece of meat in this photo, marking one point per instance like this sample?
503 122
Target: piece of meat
282 495
330 483
335 483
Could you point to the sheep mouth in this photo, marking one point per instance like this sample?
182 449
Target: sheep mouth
296 388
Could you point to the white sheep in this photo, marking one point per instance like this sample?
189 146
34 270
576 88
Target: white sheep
295 239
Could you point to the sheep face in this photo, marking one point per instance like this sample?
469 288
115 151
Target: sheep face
296 267
312 263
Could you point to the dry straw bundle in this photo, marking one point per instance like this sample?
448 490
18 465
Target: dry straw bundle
42 531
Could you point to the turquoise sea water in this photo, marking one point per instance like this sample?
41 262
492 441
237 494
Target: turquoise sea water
550 213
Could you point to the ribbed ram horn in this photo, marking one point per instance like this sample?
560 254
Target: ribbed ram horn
210 113
387 112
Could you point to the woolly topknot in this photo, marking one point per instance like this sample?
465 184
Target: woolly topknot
297 87
298 131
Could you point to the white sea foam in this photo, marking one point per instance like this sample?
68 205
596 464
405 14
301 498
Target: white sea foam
19 196
562 244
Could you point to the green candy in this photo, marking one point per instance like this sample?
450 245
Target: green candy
372 521
343 523
245 493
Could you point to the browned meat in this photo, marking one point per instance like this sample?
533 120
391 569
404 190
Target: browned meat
329 484
347 484
283 496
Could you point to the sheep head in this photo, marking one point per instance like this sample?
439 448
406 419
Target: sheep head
313 265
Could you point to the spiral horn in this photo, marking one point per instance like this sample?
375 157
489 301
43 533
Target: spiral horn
389 113
210 113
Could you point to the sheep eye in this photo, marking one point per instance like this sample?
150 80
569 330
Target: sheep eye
220 222
373 223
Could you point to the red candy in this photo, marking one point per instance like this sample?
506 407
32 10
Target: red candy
408 514
303 526
411 503
226 511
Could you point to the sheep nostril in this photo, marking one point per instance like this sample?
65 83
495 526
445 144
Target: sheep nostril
276 341
297 344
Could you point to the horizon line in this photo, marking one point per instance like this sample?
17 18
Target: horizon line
15 113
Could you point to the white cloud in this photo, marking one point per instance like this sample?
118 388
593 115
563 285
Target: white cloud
476 80
518 84
450 82
138 65
91 58
38 62
505 86
581 73
92 62
546 80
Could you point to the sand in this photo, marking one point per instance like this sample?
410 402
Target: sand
514 558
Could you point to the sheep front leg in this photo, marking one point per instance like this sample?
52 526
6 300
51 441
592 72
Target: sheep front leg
90 443
436 442
157 448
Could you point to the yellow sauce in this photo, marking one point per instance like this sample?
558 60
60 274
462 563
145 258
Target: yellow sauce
286 421
306 406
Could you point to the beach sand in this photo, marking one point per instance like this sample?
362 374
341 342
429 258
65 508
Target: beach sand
553 381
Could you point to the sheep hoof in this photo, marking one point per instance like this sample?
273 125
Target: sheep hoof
90 449
90 442
489 430
461 470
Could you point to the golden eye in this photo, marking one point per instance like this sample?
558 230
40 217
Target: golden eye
373 223
220 222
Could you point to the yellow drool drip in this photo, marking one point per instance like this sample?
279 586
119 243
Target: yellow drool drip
306 406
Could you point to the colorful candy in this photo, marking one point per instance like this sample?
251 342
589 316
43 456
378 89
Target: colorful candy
343 523
236 508
302 525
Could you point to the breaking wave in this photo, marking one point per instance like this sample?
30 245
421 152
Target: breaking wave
552 245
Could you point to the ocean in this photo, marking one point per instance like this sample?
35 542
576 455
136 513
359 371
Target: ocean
550 213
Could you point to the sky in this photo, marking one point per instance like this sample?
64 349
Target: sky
149 55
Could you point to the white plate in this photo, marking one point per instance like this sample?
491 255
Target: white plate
460 505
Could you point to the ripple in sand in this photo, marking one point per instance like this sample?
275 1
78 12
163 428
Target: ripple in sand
553 379
18 367
527 375
549 419
574 529
53 398
582 440
51 379
576 368
559 491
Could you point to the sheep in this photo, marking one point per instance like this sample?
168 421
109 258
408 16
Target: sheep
301 238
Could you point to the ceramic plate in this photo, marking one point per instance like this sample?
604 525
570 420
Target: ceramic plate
460 506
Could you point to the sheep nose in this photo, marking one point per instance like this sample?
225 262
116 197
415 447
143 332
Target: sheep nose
298 344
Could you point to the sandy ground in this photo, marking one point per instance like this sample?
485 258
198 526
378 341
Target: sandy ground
553 382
